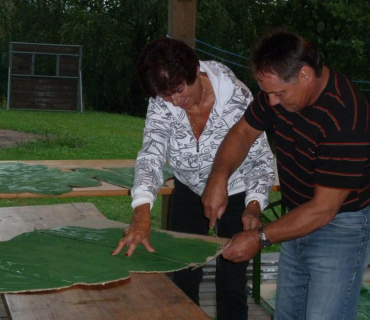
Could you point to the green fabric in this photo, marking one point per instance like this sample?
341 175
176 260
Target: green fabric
122 177
364 304
66 256
18 177
167 172
110 177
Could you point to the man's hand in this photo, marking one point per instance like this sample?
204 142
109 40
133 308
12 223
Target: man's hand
242 247
214 200
137 233
251 216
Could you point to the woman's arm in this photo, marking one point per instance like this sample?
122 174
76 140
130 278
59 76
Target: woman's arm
259 177
148 178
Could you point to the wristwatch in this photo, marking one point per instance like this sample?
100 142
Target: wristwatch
264 242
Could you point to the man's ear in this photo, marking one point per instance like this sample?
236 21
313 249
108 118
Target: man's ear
307 74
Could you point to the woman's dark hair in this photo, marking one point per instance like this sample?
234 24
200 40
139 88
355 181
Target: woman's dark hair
285 53
164 64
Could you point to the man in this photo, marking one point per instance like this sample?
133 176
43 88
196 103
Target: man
321 124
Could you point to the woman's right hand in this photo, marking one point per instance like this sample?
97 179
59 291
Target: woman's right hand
137 233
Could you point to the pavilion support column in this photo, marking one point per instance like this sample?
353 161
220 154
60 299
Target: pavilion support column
182 20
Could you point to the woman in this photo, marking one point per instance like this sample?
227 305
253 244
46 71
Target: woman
193 105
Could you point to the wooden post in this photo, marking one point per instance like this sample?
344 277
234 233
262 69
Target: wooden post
182 20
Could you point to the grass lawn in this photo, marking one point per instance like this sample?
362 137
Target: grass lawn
88 135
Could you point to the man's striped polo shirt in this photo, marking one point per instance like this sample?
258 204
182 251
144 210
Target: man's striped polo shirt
325 144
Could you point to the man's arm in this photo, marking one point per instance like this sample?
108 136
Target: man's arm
230 155
298 222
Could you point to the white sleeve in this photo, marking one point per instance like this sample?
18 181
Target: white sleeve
152 156
259 174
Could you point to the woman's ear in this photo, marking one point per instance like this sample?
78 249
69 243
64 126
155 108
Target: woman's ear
198 71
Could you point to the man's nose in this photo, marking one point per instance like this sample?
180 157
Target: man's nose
273 99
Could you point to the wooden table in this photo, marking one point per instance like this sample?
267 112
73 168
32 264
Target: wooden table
143 296
111 190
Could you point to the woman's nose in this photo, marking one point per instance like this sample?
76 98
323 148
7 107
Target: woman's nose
175 99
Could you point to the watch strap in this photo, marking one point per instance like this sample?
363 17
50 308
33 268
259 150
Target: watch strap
263 240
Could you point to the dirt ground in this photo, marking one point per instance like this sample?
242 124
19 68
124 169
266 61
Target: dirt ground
11 138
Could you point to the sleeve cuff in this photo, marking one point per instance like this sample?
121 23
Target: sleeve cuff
261 200
142 200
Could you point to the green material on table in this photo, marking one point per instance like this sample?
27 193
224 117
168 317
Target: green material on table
121 180
122 177
18 177
364 304
63 257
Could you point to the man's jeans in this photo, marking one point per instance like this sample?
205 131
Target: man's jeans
320 275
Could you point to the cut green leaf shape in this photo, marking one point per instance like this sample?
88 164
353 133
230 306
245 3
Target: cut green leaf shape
63 257
18 177
364 303
122 177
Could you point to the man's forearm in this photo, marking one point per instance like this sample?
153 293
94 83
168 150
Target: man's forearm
233 150
308 217
230 155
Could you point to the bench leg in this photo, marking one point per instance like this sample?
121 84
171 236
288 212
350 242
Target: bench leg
257 278
166 208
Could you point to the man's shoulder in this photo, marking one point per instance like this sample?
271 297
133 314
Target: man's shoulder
342 104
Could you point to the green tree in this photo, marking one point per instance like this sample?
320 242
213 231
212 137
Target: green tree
114 32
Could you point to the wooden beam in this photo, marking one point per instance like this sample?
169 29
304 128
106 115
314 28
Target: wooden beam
182 20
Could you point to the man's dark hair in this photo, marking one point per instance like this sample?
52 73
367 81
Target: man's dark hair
164 64
284 53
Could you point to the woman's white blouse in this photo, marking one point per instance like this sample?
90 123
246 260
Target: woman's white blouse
168 137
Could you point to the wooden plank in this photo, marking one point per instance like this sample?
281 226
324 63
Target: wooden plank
44 104
93 164
69 66
3 313
44 107
17 220
21 63
33 98
40 81
143 296
53 48
43 87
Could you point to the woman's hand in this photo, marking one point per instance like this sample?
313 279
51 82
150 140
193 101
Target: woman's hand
137 233
251 216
